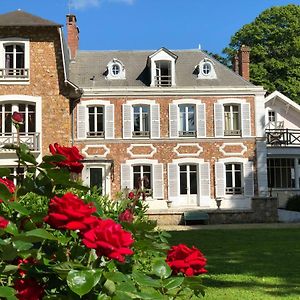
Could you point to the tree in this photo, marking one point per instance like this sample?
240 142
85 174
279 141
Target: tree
274 39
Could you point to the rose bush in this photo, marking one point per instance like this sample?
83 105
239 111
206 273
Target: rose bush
61 241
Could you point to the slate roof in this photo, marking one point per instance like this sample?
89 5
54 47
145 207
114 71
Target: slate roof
21 18
93 64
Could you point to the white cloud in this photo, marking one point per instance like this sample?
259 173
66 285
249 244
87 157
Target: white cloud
80 4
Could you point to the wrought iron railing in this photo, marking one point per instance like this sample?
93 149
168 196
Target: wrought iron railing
187 133
283 137
95 134
232 132
141 133
163 80
31 139
15 73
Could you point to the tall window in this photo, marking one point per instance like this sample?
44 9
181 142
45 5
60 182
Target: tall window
188 180
187 120
29 115
233 178
141 120
142 177
14 60
163 73
281 172
96 178
232 120
96 121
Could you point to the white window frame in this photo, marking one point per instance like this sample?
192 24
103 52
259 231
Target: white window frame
231 119
98 133
202 74
15 41
111 75
186 120
142 131
233 172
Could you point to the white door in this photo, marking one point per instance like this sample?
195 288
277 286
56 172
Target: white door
189 183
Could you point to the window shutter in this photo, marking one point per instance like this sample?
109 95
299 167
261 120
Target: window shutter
204 184
173 111
173 182
201 120
158 181
155 121
262 174
219 119
246 122
126 178
81 121
127 121
220 179
248 179
109 121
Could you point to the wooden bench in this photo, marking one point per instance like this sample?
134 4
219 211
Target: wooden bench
195 215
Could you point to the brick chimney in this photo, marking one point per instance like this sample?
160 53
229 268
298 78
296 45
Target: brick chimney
244 62
73 35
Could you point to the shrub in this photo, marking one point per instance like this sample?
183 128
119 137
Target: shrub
293 203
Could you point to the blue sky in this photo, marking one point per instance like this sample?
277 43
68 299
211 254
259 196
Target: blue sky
150 24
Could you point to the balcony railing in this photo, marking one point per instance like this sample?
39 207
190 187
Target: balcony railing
283 137
95 134
32 140
235 132
187 133
163 80
17 73
141 133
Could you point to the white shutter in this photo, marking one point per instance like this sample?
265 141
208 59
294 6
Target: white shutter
220 179
219 119
201 120
248 179
81 121
173 181
204 172
126 178
173 127
246 120
261 167
158 181
109 121
155 121
127 121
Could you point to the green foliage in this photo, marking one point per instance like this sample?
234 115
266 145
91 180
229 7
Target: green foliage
274 39
293 203
59 260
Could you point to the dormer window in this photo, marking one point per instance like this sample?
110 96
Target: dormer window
115 70
206 69
162 67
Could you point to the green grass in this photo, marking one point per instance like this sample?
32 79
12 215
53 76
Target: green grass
248 264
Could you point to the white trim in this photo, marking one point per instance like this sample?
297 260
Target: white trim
120 75
154 150
283 98
95 102
212 74
221 148
141 161
231 101
186 101
188 145
86 148
141 101
233 160
192 160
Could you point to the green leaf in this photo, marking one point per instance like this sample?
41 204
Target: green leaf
194 283
173 282
109 287
53 158
41 233
22 245
116 276
9 252
10 269
11 228
4 172
59 176
7 291
19 208
161 269
144 280
81 282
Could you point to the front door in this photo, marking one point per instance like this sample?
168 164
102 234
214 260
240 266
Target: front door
189 183
96 176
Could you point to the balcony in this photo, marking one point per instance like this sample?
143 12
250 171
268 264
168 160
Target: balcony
163 80
32 140
283 137
17 73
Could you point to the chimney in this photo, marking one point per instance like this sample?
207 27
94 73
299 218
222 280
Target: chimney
73 35
244 62
235 64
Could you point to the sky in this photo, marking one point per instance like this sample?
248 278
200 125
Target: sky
150 24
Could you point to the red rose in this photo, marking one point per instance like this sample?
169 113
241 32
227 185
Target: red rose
70 212
131 195
126 216
72 156
25 261
109 239
189 261
3 223
17 118
9 184
28 289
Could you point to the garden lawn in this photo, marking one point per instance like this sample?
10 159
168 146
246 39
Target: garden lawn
248 264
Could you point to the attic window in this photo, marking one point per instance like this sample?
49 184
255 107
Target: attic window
115 70
206 69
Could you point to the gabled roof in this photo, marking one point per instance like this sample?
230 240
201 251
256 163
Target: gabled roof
279 96
164 50
22 18
90 65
